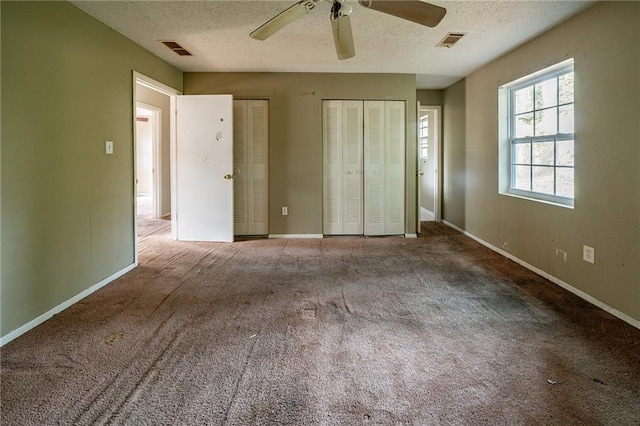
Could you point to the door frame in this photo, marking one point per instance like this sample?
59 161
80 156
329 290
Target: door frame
138 78
437 150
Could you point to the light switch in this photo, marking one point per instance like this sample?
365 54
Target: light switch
109 147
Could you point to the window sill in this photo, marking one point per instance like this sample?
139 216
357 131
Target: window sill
525 196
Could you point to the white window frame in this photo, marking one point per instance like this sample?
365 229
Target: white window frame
508 140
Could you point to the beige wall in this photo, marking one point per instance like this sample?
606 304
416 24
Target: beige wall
67 207
605 43
453 154
295 135
162 101
429 97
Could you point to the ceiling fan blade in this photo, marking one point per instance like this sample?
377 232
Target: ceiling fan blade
283 19
343 37
413 10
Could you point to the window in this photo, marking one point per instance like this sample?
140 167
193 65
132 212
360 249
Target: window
424 137
540 135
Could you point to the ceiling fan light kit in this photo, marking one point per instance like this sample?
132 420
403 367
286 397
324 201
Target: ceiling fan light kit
412 10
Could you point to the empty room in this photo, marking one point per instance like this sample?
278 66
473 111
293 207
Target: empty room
322 212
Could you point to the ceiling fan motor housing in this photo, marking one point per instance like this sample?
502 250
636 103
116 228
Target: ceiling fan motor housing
340 9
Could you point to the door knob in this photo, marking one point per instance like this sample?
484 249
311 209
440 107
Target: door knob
419 173
228 176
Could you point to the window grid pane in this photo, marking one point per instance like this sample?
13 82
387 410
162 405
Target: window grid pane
543 108
424 138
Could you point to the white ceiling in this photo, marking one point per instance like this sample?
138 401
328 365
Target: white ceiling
217 33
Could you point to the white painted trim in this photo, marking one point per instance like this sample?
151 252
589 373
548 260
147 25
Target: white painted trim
437 213
418 178
173 145
411 235
64 305
621 315
154 84
283 236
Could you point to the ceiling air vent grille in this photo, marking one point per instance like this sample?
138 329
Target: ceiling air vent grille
450 39
177 48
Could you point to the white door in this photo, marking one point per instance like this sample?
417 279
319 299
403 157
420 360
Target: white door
204 168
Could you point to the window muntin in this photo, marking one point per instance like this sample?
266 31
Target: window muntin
423 131
541 135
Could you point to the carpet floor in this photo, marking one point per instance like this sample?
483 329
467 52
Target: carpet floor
436 330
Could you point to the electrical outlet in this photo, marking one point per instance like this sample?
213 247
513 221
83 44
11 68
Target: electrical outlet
589 254
285 211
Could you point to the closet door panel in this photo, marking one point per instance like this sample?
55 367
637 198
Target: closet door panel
352 167
240 222
374 167
250 166
332 167
394 167
258 152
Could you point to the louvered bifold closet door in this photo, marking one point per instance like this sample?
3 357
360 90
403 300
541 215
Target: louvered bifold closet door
257 148
352 115
332 167
240 220
250 164
394 167
374 168
363 171
342 169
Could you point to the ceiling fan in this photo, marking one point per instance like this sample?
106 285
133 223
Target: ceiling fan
412 10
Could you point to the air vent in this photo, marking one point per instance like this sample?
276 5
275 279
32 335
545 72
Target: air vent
177 48
450 39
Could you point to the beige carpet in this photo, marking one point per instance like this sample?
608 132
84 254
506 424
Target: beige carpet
335 331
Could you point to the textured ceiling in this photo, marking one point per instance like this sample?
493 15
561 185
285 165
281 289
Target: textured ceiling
217 33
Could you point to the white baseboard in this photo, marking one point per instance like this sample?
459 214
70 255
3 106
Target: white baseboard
411 235
281 236
621 315
61 307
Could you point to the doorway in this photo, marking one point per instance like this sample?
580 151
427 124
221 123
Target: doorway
154 128
428 176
